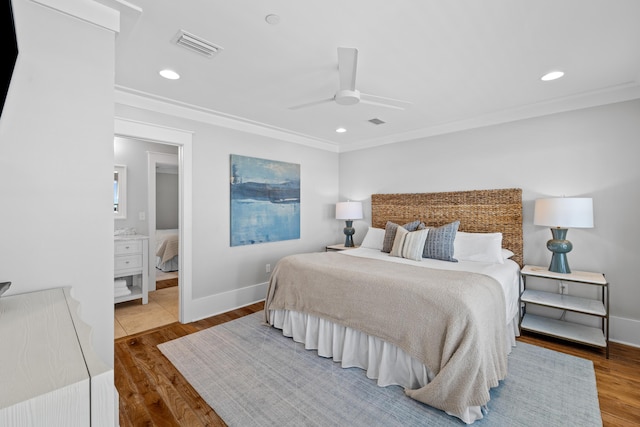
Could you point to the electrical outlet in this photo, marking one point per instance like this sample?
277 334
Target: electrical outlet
267 268
142 216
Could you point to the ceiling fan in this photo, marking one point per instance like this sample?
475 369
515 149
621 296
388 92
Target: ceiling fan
347 93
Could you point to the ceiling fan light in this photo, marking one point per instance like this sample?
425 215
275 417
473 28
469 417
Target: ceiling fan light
552 75
347 97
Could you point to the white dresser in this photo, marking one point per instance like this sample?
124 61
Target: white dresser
131 259
49 373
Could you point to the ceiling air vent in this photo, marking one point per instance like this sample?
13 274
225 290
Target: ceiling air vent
377 121
196 44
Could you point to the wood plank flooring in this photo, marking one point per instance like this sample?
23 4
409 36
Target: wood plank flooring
153 393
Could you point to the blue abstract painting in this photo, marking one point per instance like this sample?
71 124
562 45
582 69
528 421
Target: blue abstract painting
265 200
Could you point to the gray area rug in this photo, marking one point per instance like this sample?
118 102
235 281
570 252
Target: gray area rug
253 376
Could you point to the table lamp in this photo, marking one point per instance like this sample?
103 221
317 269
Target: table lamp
561 213
349 211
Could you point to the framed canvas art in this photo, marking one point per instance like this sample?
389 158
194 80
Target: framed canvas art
265 200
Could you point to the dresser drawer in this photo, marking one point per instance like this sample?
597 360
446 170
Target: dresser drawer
128 247
127 261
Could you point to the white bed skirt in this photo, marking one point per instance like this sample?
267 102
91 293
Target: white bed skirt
384 362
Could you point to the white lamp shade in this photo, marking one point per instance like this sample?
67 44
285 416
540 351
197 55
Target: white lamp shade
564 212
349 210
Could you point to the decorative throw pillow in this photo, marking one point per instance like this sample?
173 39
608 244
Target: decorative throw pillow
373 239
439 244
398 242
409 244
479 247
390 233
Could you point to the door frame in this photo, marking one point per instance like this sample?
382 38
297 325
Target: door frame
183 139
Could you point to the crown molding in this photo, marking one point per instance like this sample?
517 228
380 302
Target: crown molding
132 98
619 93
612 95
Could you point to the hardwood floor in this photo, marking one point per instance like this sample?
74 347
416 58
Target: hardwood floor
153 393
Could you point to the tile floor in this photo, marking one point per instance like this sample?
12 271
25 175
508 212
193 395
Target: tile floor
132 317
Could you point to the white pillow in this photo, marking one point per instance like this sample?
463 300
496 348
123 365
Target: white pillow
409 244
506 253
480 247
373 239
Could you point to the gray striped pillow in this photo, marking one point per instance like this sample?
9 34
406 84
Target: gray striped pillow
390 233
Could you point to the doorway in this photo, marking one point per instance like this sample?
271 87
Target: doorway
183 140
152 212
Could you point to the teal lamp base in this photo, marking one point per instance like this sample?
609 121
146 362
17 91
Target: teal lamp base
349 231
559 246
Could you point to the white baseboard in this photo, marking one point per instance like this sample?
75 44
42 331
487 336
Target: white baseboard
227 301
624 331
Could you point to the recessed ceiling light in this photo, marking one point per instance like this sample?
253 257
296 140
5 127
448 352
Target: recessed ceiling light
169 74
553 75
341 130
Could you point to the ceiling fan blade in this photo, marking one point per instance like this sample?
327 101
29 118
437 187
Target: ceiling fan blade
384 102
347 64
310 104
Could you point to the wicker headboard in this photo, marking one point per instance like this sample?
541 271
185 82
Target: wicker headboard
479 211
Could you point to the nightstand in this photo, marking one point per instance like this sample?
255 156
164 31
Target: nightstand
593 336
339 247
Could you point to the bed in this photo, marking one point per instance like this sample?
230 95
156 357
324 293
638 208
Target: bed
167 245
440 329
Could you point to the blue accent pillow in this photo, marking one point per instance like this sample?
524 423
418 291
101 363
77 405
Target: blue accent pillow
439 244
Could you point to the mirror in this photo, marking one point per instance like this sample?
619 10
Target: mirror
120 191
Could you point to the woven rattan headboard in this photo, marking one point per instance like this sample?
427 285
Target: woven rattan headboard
479 211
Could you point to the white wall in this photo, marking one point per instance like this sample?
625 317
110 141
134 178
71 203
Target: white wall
591 153
56 163
167 199
219 270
